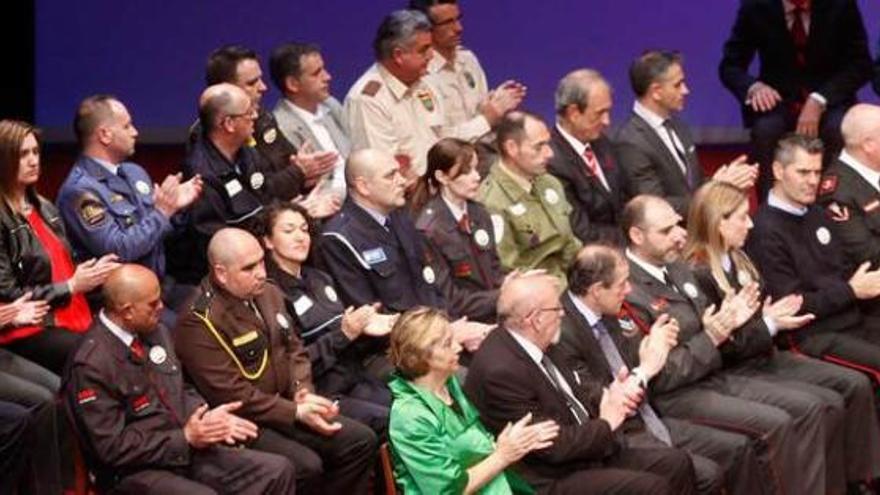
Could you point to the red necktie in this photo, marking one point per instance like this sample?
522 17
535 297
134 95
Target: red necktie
592 162
799 39
137 349
465 223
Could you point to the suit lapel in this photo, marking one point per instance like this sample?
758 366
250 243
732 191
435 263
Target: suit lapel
655 143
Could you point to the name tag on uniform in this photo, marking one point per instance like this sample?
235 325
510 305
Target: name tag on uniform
303 304
233 187
373 256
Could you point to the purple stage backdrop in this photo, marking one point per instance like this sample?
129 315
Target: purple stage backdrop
151 53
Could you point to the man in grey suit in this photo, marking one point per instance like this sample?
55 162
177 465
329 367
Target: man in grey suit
307 115
655 148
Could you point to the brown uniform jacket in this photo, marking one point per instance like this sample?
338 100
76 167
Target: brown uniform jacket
240 356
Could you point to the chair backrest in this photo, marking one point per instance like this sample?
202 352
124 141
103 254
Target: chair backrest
387 469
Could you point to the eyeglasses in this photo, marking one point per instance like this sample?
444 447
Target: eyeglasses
557 309
250 113
449 21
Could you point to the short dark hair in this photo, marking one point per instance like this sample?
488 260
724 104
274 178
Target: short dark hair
90 113
634 213
650 67
285 61
790 143
424 6
513 127
396 30
223 62
594 264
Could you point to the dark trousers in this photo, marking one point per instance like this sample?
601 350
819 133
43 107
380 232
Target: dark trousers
15 438
336 464
49 348
632 471
217 470
368 402
33 387
769 127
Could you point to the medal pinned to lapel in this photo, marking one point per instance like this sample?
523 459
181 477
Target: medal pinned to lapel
142 187
660 304
427 100
270 135
691 290
428 275
481 237
257 180
330 292
551 196
158 354
824 235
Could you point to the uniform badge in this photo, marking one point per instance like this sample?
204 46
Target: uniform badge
470 79
871 206
551 196
371 88
86 395
140 403
691 290
838 213
115 198
828 184
497 227
660 304
427 100
142 187
626 323
463 269
824 235
428 274
330 292
282 321
517 209
270 135
482 237
245 339
743 277
373 256
257 180
233 187
158 354
92 213
301 305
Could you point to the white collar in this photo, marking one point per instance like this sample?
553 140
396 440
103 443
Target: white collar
726 262
307 116
585 311
378 217
531 349
648 115
111 167
439 62
457 212
124 335
776 202
575 143
867 173
658 272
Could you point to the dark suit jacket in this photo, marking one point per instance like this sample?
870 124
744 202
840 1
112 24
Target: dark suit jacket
856 218
595 208
504 384
838 61
650 168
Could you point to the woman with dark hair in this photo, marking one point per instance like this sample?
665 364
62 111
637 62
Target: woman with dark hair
330 331
458 231
437 440
35 256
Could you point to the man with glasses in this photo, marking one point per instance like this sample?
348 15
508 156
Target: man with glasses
392 107
518 371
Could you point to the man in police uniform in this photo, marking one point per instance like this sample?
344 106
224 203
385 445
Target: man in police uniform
528 205
392 107
237 343
143 430
850 189
109 205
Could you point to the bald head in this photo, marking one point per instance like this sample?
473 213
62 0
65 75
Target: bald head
374 180
365 163
221 100
127 284
229 244
521 295
236 259
861 133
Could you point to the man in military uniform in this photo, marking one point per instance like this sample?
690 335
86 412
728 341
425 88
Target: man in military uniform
142 429
850 189
392 107
237 343
109 205
528 205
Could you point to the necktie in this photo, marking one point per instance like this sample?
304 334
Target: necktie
799 39
615 361
137 349
465 223
576 408
679 152
593 166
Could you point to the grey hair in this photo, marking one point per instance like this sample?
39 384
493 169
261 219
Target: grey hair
396 31
789 144
574 89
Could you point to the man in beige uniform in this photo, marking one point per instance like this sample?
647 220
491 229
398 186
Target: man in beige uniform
391 107
456 72
528 205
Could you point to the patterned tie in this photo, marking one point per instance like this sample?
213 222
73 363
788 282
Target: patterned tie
137 349
615 361
573 404
679 152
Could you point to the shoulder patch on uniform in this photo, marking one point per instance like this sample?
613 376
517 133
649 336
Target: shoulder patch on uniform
828 184
91 209
837 212
201 303
371 88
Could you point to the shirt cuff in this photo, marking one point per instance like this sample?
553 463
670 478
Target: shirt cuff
821 99
640 376
772 329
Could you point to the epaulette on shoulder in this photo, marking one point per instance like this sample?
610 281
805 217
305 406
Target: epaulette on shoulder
371 88
828 184
200 304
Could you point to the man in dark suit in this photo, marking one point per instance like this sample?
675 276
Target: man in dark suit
814 58
692 386
584 159
594 329
655 147
517 370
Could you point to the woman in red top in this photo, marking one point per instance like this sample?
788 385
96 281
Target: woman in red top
35 256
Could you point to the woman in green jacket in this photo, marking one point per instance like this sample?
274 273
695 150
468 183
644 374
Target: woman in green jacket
437 441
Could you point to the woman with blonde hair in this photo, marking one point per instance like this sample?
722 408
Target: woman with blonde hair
438 443
718 224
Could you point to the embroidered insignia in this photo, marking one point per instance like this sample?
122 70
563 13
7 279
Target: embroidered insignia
140 403
828 184
86 395
463 269
142 187
91 211
116 198
371 88
838 213
660 304
427 100
244 339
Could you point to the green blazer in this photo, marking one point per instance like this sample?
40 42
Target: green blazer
433 446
